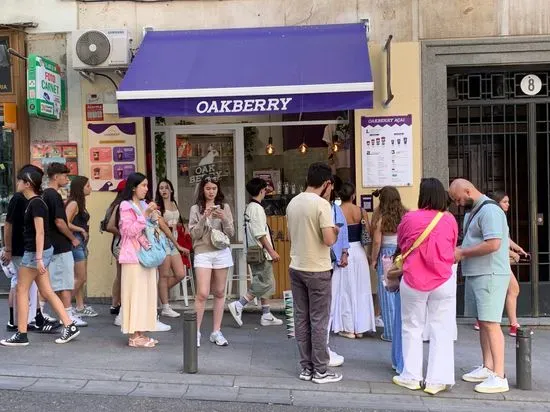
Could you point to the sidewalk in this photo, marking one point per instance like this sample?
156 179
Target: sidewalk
260 365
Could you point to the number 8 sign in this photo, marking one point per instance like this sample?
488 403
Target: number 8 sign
531 84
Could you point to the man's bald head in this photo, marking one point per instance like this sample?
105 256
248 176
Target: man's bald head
464 193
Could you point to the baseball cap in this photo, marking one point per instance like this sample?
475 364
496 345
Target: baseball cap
121 186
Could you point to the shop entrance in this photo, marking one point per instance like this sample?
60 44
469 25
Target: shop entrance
498 138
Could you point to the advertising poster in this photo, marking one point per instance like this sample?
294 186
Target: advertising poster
387 151
44 153
44 88
112 150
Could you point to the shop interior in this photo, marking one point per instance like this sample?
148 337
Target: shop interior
278 149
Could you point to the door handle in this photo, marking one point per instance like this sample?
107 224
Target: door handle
540 219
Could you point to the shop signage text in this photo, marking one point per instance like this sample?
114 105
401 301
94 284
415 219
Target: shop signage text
44 91
5 72
275 104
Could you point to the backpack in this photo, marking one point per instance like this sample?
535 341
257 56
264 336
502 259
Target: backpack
152 255
103 224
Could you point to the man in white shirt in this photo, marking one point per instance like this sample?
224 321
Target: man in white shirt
258 241
312 232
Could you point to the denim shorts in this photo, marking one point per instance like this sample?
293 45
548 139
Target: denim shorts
80 252
62 272
29 259
171 249
16 260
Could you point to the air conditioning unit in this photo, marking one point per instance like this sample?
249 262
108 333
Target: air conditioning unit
101 49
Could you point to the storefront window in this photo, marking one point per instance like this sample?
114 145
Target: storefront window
201 155
6 169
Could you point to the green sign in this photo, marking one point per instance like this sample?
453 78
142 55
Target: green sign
44 88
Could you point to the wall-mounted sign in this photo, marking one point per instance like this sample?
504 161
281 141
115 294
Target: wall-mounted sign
531 84
44 88
5 72
387 150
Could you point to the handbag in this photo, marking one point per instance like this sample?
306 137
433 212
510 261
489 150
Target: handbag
219 239
255 254
153 254
397 268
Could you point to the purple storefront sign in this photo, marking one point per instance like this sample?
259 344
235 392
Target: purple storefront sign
247 105
386 120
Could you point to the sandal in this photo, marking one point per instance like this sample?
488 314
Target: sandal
141 342
348 335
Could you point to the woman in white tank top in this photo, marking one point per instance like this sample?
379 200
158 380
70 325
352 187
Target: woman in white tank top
172 271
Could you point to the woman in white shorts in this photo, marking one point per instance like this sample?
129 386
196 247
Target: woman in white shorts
208 216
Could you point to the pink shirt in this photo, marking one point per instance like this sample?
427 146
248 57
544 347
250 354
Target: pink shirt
429 265
131 227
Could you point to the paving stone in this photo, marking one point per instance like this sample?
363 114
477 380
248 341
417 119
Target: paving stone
179 378
264 395
55 372
293 383
356 400
108 388
56 385
212 393
15 382
160 390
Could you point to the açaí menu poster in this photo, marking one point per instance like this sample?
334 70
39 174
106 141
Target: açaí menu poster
112 154
387 151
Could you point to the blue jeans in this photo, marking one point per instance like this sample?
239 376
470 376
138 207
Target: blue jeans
397 342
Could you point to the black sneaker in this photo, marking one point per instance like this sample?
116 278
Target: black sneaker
10 327
18 339
306 374
115 310
69 333
327 377
49 327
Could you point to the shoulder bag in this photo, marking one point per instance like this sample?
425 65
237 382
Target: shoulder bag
397 268
218 239
255 255
152 255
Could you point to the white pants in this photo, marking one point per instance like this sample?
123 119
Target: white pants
438 308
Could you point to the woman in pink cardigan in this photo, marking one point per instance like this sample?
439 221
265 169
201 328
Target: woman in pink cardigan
428 291
138 284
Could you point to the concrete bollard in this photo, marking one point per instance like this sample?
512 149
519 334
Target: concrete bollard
523 358
190 352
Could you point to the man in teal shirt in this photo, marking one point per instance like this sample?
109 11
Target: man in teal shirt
486 269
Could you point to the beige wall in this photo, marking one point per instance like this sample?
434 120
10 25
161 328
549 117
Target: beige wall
406 88
406 20
101 266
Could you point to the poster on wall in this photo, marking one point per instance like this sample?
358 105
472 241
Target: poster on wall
387 151
112 148
45 153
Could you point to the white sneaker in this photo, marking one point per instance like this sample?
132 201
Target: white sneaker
236 310
198 339
269 320
406 383
378 322
479 374
434 389
218 338
335 359
77 320
162 327
169 312
118 320
493 384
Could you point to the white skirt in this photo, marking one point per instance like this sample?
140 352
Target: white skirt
352 309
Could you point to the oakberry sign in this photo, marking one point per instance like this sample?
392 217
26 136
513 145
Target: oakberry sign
44 88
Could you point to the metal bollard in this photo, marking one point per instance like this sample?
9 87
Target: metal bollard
523 358
190 358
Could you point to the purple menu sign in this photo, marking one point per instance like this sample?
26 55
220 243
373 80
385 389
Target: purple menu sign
123 171
124 154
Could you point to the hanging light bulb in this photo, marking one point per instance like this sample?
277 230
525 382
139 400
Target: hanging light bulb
335 147
269 148
303 148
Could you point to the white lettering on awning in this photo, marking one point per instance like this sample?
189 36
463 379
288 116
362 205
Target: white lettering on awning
279 104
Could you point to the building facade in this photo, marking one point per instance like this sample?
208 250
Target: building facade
455 66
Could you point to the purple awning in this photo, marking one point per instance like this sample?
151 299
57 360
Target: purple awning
249 71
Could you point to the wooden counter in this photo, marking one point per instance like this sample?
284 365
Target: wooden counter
282 246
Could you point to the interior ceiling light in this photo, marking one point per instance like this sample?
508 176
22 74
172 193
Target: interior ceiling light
269 148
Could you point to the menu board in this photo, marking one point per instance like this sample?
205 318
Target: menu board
112 148
387 151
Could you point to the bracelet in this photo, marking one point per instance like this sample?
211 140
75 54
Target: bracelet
38 258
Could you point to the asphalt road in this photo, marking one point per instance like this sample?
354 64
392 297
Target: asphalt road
48 402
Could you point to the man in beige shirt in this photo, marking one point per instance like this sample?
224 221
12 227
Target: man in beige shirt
312 231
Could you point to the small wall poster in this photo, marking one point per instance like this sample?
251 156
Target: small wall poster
112 148
387 151
44 153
